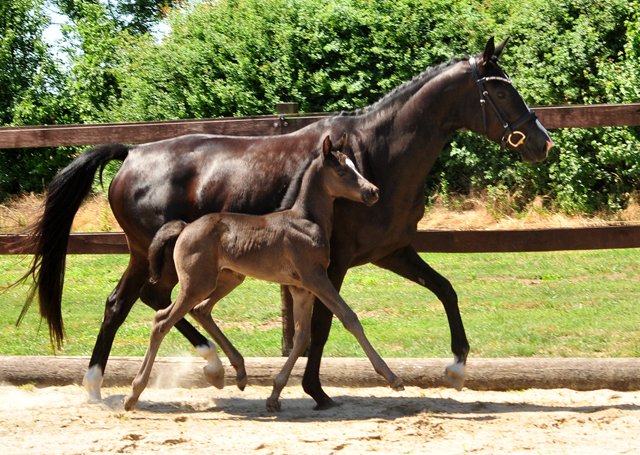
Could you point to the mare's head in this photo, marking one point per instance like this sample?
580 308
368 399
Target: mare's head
503 116
341 177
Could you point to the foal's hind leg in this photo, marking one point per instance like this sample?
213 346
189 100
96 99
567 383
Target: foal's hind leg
162 323
302 306
158 296
227 282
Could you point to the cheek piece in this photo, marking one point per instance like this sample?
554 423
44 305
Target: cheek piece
510 136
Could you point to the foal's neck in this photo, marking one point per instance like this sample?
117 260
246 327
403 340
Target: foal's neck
314 203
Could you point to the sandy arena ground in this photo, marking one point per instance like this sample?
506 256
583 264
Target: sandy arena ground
59 420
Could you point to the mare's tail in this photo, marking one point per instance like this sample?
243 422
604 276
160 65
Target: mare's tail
162 247
49 235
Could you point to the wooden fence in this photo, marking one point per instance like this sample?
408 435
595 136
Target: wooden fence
601 237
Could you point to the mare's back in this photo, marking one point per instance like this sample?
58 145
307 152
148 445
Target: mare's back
187 177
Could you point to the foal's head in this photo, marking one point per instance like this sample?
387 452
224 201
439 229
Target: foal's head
341 177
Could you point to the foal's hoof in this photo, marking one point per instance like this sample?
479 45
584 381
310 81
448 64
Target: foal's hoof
397 385
455 375
241 381
130 402
214 375
273 405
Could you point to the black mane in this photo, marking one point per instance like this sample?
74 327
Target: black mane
408 87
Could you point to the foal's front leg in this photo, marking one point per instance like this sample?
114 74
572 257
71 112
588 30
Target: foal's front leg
302 306
320 285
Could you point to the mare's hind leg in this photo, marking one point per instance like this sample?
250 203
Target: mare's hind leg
117 308
407 263
227 282
302 306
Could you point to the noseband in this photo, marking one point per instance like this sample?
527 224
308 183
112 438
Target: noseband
510 135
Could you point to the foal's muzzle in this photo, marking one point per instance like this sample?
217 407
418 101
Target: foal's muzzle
371 196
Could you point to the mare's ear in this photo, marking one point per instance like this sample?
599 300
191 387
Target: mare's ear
345 137
499 49
326 147
489 50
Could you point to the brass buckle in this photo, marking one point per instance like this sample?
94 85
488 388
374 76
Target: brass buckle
520 142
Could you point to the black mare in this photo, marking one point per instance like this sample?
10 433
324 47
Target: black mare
394 144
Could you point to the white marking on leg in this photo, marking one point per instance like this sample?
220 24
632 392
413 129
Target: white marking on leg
92 382
456 373
214 370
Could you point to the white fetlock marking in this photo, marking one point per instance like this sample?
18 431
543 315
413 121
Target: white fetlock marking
456 374
457 370
214 370
92 382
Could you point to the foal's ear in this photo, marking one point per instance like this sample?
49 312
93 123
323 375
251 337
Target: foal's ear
326 147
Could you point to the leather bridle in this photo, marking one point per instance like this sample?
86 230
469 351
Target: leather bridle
510 135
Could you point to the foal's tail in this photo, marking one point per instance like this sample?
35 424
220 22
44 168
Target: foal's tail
49 235
162 247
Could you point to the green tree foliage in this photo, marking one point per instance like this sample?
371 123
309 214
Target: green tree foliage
30 83
232 57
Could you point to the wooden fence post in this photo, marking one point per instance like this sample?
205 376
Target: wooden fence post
288 326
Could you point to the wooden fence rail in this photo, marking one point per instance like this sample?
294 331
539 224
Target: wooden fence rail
601 237
268 125
426 241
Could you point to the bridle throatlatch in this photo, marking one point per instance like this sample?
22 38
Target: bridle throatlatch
510 135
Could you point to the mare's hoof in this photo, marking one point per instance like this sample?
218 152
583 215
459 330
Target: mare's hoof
327 403
130 403
273 405
214 375
455 375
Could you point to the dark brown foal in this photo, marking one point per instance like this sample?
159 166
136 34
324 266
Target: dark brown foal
289 247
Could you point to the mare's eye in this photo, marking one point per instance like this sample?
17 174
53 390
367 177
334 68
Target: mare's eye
501 94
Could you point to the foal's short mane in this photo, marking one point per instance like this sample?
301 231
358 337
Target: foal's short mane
294 187
408 87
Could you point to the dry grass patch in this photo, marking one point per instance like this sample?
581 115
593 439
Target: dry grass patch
95 214
478 212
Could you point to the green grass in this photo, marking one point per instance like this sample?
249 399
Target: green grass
559 304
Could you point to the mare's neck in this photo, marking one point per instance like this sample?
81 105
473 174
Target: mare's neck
314 203
418 124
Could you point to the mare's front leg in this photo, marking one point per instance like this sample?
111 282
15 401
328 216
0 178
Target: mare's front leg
320 327
407 263
302 307
320 285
